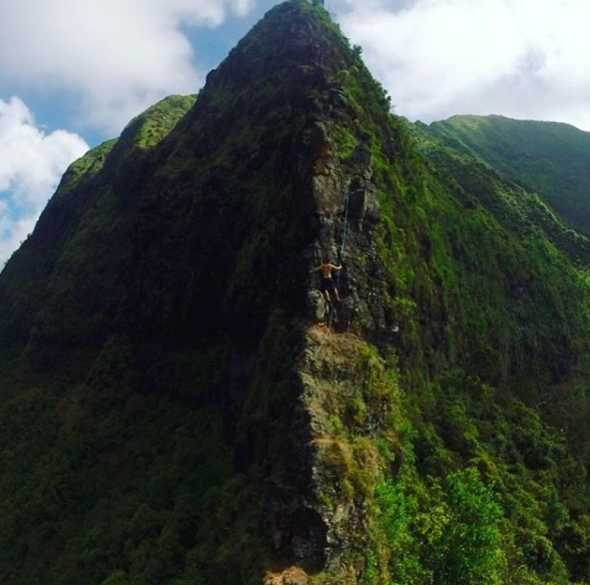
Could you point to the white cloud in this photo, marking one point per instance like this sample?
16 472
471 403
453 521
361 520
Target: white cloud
31 165
117 56
521 58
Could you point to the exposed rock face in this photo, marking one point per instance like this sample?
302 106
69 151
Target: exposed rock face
290 576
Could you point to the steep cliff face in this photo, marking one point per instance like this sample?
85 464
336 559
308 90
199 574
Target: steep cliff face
179 405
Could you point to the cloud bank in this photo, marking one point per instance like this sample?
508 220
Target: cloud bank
31 165
520 58
116 57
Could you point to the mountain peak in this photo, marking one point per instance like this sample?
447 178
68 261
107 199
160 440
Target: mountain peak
185 399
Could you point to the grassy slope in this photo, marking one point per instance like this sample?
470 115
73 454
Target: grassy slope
490 296
140 460
551 158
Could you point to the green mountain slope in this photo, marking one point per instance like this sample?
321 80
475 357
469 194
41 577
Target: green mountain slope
178 404
551 158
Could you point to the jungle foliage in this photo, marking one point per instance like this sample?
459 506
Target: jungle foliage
548 157
147 397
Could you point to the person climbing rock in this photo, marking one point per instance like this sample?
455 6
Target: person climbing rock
328 284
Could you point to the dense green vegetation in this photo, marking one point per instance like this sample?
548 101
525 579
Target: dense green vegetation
493 316
165 416
117 488
551 158
486 487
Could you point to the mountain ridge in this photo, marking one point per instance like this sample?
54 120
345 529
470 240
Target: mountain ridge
552 158
180 405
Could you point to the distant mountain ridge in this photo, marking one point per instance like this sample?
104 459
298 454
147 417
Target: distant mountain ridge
551 158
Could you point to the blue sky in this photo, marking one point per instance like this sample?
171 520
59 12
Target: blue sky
73 73
56 107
